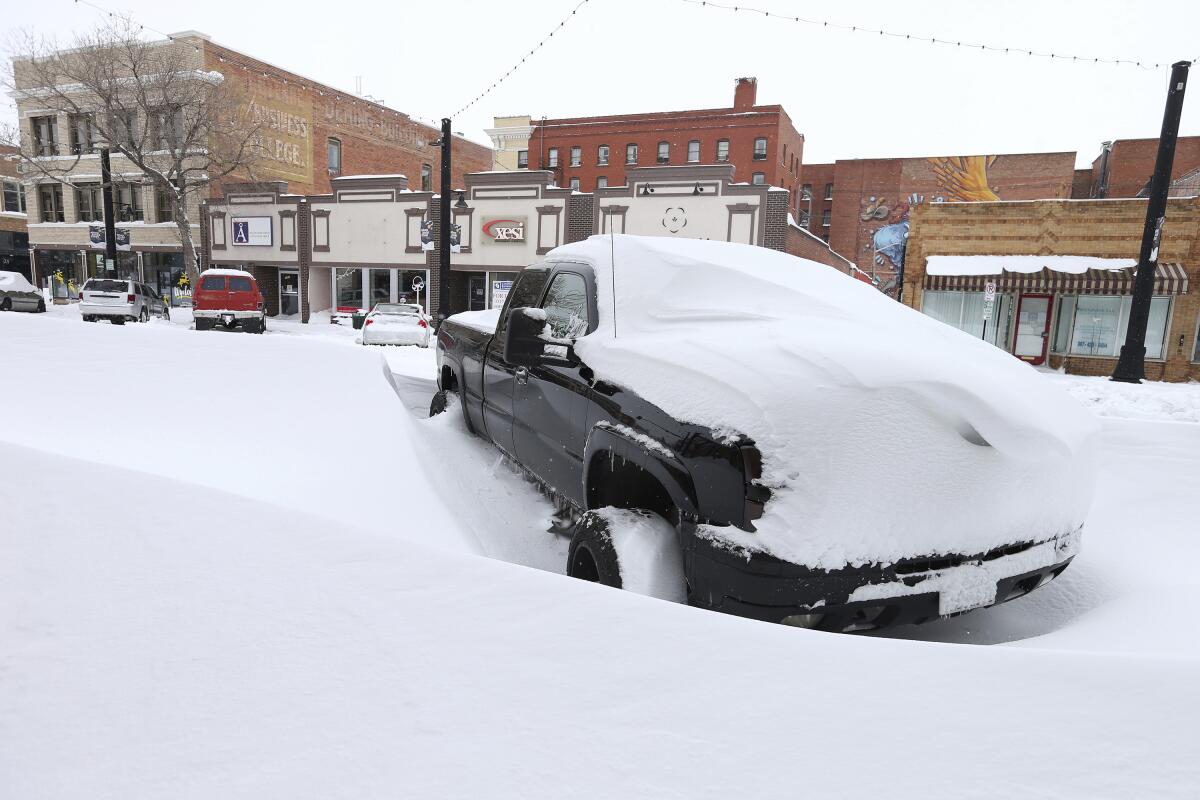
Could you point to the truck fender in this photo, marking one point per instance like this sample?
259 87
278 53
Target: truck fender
608 441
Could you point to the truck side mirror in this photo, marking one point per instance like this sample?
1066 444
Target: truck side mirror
523 345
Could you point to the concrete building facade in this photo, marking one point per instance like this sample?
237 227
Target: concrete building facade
333 254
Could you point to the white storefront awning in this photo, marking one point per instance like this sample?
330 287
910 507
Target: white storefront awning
1065 274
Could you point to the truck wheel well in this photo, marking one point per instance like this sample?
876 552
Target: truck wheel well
615 481
449 381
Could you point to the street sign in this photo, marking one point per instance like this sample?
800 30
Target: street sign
989 299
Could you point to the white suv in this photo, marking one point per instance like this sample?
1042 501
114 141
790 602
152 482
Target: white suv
118 300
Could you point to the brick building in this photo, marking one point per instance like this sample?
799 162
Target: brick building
14 233
870 199
311 133
1124 167
1063 271
589 153
815 212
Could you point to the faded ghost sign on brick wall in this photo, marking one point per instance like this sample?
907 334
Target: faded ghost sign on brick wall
285 136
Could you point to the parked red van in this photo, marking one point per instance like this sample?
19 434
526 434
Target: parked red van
229 298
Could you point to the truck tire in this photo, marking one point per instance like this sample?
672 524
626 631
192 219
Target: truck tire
439 403
628 549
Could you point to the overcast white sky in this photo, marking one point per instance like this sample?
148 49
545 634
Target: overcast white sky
852 95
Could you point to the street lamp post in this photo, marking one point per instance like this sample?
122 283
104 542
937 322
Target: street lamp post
110 227
444 223
1131 366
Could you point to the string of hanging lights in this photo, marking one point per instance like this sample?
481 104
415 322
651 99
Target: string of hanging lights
913 37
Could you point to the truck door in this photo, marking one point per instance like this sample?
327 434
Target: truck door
498 374
550 401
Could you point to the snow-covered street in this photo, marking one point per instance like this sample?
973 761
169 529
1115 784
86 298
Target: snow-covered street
245 566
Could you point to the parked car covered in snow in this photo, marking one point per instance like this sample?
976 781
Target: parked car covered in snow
120 300
230 299
18 294
396 323
762 435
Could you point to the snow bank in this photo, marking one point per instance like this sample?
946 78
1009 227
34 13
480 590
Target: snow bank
884 433
1149 400
175 655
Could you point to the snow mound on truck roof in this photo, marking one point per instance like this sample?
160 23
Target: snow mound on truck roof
885 433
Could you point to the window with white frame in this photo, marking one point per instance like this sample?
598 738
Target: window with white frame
1099 322
693 156
602 182
45 135
522 159
602 155
631 153
760 149
574 184
964 310
758 178
14 197
576 156
722 151
552 157
664 152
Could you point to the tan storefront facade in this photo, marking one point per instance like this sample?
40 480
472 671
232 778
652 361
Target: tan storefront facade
1062 274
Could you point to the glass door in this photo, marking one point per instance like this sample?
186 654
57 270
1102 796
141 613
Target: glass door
1033 328
478 298
289 292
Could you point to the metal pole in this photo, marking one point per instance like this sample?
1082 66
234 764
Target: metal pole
1131 366
444 223
110 233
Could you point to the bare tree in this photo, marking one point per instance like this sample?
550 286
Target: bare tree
153 102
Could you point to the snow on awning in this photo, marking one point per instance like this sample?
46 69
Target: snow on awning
1064 274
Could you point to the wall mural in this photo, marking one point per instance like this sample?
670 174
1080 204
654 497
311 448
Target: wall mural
961 179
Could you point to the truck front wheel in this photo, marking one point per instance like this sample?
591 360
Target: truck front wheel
628 549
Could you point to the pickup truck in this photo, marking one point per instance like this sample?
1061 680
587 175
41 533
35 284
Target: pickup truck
659 500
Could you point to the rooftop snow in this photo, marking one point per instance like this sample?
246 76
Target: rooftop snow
995 265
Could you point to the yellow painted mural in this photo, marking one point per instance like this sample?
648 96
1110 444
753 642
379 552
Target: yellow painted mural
964 178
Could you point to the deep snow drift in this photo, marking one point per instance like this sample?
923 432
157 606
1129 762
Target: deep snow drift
256 616
887 433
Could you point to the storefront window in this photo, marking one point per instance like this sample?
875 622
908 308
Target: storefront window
1062 328
1101 322
60 272
164 271
125 266
964 310
413 287
349 288
381 286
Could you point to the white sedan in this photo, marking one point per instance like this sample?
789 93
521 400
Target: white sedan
396 323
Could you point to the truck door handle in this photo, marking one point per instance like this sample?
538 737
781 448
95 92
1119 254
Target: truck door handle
522 376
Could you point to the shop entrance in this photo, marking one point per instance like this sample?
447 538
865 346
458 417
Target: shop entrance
289 292
477 297
1033 328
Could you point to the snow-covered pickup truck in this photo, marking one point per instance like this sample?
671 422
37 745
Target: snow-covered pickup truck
760 435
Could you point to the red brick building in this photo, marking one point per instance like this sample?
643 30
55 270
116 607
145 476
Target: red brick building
592 152
319 133
870 199
1124 167
815 213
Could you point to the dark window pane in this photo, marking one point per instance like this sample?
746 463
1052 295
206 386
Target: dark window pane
213 283
237 284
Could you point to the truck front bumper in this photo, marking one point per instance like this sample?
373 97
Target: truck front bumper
872 596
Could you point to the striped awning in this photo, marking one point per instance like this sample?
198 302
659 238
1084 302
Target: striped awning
1168 279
